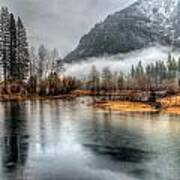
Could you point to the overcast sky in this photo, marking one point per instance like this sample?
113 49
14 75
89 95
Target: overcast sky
61 23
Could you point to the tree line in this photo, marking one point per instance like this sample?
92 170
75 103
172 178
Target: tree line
46 73
25 69
160 75
13 47
40 71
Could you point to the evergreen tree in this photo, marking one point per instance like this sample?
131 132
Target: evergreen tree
172 67
13 47
132 72
13 74
33 62
139 70
179 65
5 41
23 60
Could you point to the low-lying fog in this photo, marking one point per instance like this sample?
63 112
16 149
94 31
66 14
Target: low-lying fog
120 62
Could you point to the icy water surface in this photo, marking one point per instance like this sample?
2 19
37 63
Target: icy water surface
61 140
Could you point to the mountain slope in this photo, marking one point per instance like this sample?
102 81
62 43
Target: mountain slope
143 23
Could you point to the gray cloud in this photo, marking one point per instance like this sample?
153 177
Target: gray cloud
61 23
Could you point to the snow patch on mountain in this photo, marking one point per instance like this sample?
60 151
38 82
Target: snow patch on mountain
155 9
162 12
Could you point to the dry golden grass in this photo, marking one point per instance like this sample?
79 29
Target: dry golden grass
171 104
172 110
125 106
170 101
82 92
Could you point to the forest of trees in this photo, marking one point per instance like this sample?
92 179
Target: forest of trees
31 71
25 70
13 47
161 75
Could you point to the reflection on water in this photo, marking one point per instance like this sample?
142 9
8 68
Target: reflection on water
64 140
15 139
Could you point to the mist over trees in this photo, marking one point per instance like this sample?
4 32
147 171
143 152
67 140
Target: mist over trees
161 75
41 71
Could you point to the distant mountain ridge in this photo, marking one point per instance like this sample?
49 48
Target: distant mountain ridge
143 23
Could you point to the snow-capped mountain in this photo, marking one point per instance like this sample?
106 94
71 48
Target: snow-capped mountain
157 10
141 24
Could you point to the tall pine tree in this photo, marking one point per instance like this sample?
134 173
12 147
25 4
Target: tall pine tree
22 51
5 41
13 74
14 54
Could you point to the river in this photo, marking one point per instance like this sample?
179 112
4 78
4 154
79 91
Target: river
68 140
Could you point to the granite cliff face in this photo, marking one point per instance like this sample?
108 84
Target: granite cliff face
143 23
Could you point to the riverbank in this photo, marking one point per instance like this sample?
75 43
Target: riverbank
18 97
170 105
